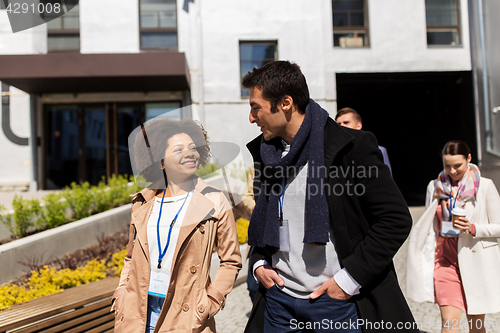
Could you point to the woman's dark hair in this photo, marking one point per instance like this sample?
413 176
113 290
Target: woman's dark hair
277 79
155 135
456 147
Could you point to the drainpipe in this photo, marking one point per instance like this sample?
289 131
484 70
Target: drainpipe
33 145
484 74
11 136
200 66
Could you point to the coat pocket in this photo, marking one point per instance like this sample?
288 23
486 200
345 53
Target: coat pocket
489 243
202 307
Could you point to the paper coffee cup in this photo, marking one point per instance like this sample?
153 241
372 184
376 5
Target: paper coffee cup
457 213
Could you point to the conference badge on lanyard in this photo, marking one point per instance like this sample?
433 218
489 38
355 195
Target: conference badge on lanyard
284 228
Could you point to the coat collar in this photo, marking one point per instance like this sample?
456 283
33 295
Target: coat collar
199 209
336 138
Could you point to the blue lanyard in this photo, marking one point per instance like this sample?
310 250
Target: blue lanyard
162 254
281 200
452 203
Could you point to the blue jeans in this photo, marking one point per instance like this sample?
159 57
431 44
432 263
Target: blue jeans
286 314
155 304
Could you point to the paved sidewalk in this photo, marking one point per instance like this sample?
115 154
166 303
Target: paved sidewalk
234 317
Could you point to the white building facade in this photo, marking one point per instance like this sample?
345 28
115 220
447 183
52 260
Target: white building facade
334 42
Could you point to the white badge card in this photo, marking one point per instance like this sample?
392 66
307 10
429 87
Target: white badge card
447 229
158 284
284 237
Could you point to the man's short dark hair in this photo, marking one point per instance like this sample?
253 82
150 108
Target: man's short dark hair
344 111
277 79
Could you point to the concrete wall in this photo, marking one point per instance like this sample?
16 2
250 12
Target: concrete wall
15 164
30 41
110 26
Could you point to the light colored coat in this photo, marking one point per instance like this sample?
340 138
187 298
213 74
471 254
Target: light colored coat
192 300
478 256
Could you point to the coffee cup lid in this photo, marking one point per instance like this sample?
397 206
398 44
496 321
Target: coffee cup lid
458 211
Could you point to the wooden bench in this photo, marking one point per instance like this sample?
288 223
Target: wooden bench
80 309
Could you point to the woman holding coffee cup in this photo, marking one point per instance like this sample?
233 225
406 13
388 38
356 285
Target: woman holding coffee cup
453 254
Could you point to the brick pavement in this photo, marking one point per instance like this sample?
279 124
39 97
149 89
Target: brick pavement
234 317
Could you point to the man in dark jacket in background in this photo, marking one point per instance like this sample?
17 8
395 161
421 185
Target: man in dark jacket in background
328 217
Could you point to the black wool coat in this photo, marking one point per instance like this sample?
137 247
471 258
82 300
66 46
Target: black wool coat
370 221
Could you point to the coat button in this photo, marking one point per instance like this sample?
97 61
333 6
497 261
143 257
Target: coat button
202 229
193 269
201 309
474 250
185 307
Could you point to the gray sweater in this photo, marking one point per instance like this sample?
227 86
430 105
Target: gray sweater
306 267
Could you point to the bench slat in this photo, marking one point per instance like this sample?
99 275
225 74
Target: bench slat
105 303
108 327
46 306
92 324
89 320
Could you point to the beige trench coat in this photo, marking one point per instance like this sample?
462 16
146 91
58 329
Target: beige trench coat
192 299
478 256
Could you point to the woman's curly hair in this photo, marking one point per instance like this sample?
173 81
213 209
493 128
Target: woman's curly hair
155 135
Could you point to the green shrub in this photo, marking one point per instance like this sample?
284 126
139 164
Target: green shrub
206 169
73 203
53 211
80 199
23 219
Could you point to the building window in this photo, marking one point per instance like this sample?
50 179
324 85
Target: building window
63 32
158 24
84 142
443 22
255 54
350 23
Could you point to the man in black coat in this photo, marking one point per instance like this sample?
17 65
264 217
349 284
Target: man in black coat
328 217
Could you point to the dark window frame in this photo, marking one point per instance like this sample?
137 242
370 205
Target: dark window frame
110 134
365 29
158 30
458 27
256 42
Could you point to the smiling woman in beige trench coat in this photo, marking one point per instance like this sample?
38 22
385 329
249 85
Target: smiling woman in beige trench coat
478 253
192 299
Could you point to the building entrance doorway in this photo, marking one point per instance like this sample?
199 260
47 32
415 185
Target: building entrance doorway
413 115
84 142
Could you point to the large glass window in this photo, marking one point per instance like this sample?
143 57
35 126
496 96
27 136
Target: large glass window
84 142
63 32
158 24
443 22
61 145
350 23
255 54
